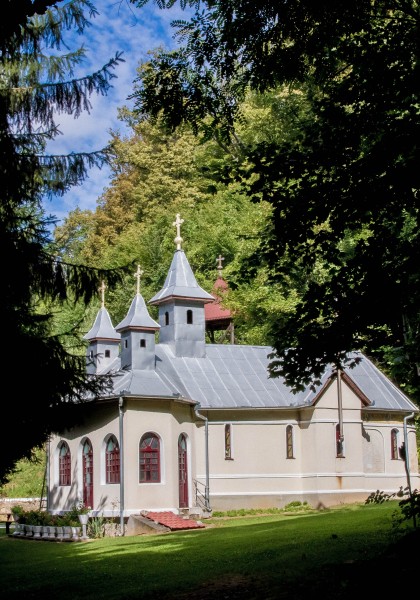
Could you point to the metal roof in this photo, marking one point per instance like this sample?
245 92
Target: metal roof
137 316
102 328
234 376
180 282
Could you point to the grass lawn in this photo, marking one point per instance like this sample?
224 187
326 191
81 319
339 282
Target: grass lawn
337 553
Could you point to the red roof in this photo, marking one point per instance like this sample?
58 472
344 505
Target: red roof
213 311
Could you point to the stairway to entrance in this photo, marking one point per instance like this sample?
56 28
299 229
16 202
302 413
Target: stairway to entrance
172 521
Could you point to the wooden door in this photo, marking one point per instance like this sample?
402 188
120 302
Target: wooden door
87 474
183 471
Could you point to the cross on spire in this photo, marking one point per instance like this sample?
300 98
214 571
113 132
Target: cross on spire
219 260
178 240
102 289
137 275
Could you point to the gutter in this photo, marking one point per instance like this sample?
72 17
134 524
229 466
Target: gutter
207 487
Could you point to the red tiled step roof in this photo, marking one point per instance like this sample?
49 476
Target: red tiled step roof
173 521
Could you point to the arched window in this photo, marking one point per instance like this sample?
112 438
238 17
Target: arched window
143 343
64 466
394 444
112 461
107 353
289 441
189 317
166 318
228 442
149 459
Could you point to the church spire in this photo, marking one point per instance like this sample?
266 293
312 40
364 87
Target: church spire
103 340
138 333
181 305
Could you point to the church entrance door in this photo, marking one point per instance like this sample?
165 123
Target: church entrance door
183 471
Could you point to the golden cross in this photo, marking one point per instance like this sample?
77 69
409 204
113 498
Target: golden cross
137 275
102 289
178 240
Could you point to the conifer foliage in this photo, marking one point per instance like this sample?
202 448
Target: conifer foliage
37 83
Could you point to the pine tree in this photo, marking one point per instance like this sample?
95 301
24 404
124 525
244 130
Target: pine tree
36 83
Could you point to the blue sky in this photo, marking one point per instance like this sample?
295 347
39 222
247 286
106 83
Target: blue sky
119 27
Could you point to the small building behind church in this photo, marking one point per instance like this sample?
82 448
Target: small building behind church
195 427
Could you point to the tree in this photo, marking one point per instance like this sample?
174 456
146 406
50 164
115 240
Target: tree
43 371
345 190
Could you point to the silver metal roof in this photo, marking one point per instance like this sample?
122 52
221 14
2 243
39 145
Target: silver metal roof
234 376
137 316
180 282
102 328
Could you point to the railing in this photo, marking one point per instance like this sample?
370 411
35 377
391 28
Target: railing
201 495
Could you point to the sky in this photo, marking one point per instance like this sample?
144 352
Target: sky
120 27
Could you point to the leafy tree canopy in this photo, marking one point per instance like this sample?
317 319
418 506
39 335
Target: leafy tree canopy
344 189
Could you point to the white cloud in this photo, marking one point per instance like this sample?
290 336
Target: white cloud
118 27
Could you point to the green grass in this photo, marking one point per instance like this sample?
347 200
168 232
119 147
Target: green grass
262 557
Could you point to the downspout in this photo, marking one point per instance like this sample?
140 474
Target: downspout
47 474
407 464
121 430
207 487
340 413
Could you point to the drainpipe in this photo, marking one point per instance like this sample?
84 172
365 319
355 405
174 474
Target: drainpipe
340 413
121 429
207 488
407 464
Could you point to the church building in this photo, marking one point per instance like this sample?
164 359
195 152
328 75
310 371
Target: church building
193 427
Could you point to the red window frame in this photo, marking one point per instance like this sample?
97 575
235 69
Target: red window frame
64 465
149 458
228 441
289 442
394 444
112 460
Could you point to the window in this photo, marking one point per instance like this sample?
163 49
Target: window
107 353
228 442
289 441
142 343
112 461
87 453
125 343
166 318
149 459
91 354
189 317
394 444
64 466
339 442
